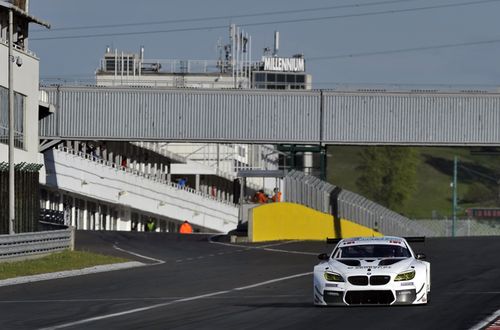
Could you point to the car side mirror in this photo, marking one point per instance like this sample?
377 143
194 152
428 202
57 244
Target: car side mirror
420 256
323 256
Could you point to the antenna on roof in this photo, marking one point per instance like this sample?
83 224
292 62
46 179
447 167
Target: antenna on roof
276 43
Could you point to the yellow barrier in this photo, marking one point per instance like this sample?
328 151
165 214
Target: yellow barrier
285 221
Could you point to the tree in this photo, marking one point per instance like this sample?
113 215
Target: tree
388 175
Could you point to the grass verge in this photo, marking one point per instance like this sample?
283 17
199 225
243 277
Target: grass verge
56 262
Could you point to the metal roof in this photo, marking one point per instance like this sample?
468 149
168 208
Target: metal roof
24 14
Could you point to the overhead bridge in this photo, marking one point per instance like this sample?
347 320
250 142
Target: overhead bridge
258 116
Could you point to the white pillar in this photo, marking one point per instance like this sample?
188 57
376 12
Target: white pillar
108 221
73 212
85 213
60 207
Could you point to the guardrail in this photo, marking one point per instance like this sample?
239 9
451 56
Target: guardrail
20 246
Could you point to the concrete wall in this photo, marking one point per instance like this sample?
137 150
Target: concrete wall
285 221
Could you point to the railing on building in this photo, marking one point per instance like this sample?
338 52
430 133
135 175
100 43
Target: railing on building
18 48
154 176
53 217
24 245
129 65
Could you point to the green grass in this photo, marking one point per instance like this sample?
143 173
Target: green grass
66 260
434 175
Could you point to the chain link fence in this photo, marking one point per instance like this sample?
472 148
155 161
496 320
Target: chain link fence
465 227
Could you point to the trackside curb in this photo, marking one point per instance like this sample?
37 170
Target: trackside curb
70 273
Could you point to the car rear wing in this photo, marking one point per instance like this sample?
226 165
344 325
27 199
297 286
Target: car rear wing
411 239
414 239
332 240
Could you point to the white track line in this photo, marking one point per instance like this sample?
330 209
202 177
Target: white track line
292 252
158 261
70 273
142 309
272 281
93 300
484 323
263 247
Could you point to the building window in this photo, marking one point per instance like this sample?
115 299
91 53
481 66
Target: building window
290 80
19 108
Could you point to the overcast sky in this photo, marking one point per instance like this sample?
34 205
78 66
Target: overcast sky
326 36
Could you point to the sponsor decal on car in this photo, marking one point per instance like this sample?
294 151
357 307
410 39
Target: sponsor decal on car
369 267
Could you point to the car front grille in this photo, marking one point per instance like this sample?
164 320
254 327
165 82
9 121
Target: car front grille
358 280
379 297
379 279
373 280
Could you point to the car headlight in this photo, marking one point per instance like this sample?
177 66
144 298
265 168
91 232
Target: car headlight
333 277
405 276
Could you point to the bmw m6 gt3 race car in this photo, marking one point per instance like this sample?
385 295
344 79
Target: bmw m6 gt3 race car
372 271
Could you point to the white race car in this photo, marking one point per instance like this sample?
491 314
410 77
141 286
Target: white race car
372 271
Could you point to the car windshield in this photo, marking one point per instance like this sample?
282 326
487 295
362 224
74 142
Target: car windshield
374 251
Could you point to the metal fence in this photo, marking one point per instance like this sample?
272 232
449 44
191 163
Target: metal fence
363 211
31 244
27 201
54 217
324 197
307 190
466 227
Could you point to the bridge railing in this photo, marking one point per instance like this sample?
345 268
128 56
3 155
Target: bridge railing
19 246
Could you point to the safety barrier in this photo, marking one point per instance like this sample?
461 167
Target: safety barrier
372 215
20 246
324 197
307 190
289 221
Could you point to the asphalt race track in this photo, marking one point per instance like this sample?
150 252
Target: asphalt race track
199 284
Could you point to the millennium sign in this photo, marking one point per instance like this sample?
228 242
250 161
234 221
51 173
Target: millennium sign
291 64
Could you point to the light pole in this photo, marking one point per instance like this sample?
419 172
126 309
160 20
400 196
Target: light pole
11 128
454 217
